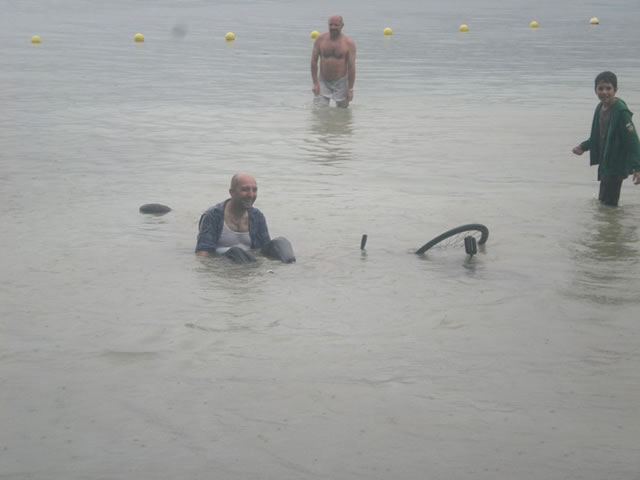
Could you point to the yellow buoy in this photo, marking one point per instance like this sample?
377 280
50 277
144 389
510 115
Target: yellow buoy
35 39
230 36
388 31
594 21
534 24
314 34
138 37
464 28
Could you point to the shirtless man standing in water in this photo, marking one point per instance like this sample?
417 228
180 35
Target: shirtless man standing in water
337 54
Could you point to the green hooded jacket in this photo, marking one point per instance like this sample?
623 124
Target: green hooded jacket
621 149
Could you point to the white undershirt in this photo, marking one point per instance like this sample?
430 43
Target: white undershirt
229 238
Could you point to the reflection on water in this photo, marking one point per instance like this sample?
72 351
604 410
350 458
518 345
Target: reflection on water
220 272
331 133
604 256
611 239
231 293
222 279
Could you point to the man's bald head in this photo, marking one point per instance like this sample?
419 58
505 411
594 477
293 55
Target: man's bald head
335 25
243 191
239 178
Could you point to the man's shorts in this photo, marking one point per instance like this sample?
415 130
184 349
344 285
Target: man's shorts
336 89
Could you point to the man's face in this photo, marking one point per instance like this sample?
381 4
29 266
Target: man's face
335 26
245 193
606 92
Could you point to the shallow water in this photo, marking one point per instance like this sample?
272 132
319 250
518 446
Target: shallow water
123 354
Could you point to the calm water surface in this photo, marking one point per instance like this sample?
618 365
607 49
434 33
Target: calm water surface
123 355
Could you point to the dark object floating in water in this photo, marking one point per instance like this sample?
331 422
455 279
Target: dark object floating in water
154 208
239 255
470 245
280 249
363 241
454 237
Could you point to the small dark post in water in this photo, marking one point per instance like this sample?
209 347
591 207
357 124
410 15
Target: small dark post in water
470 245
363 242
154 208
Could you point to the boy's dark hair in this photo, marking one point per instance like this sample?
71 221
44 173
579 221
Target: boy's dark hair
607 77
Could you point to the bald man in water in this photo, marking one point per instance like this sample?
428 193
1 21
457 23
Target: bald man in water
234 228
337 55
234 223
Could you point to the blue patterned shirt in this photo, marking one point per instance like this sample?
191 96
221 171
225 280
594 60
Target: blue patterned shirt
211 223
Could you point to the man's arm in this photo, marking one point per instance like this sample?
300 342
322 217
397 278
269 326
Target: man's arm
207 238
258 229
351 64
315 54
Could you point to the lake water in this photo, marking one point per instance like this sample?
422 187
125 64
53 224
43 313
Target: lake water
123 355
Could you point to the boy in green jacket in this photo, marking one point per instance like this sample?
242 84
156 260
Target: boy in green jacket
613 143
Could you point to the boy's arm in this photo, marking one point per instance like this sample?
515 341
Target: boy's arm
586 145
582 147
630 140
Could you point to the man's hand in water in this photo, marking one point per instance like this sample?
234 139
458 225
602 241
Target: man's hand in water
577 150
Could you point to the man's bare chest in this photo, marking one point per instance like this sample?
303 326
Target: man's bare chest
333 50
237 224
